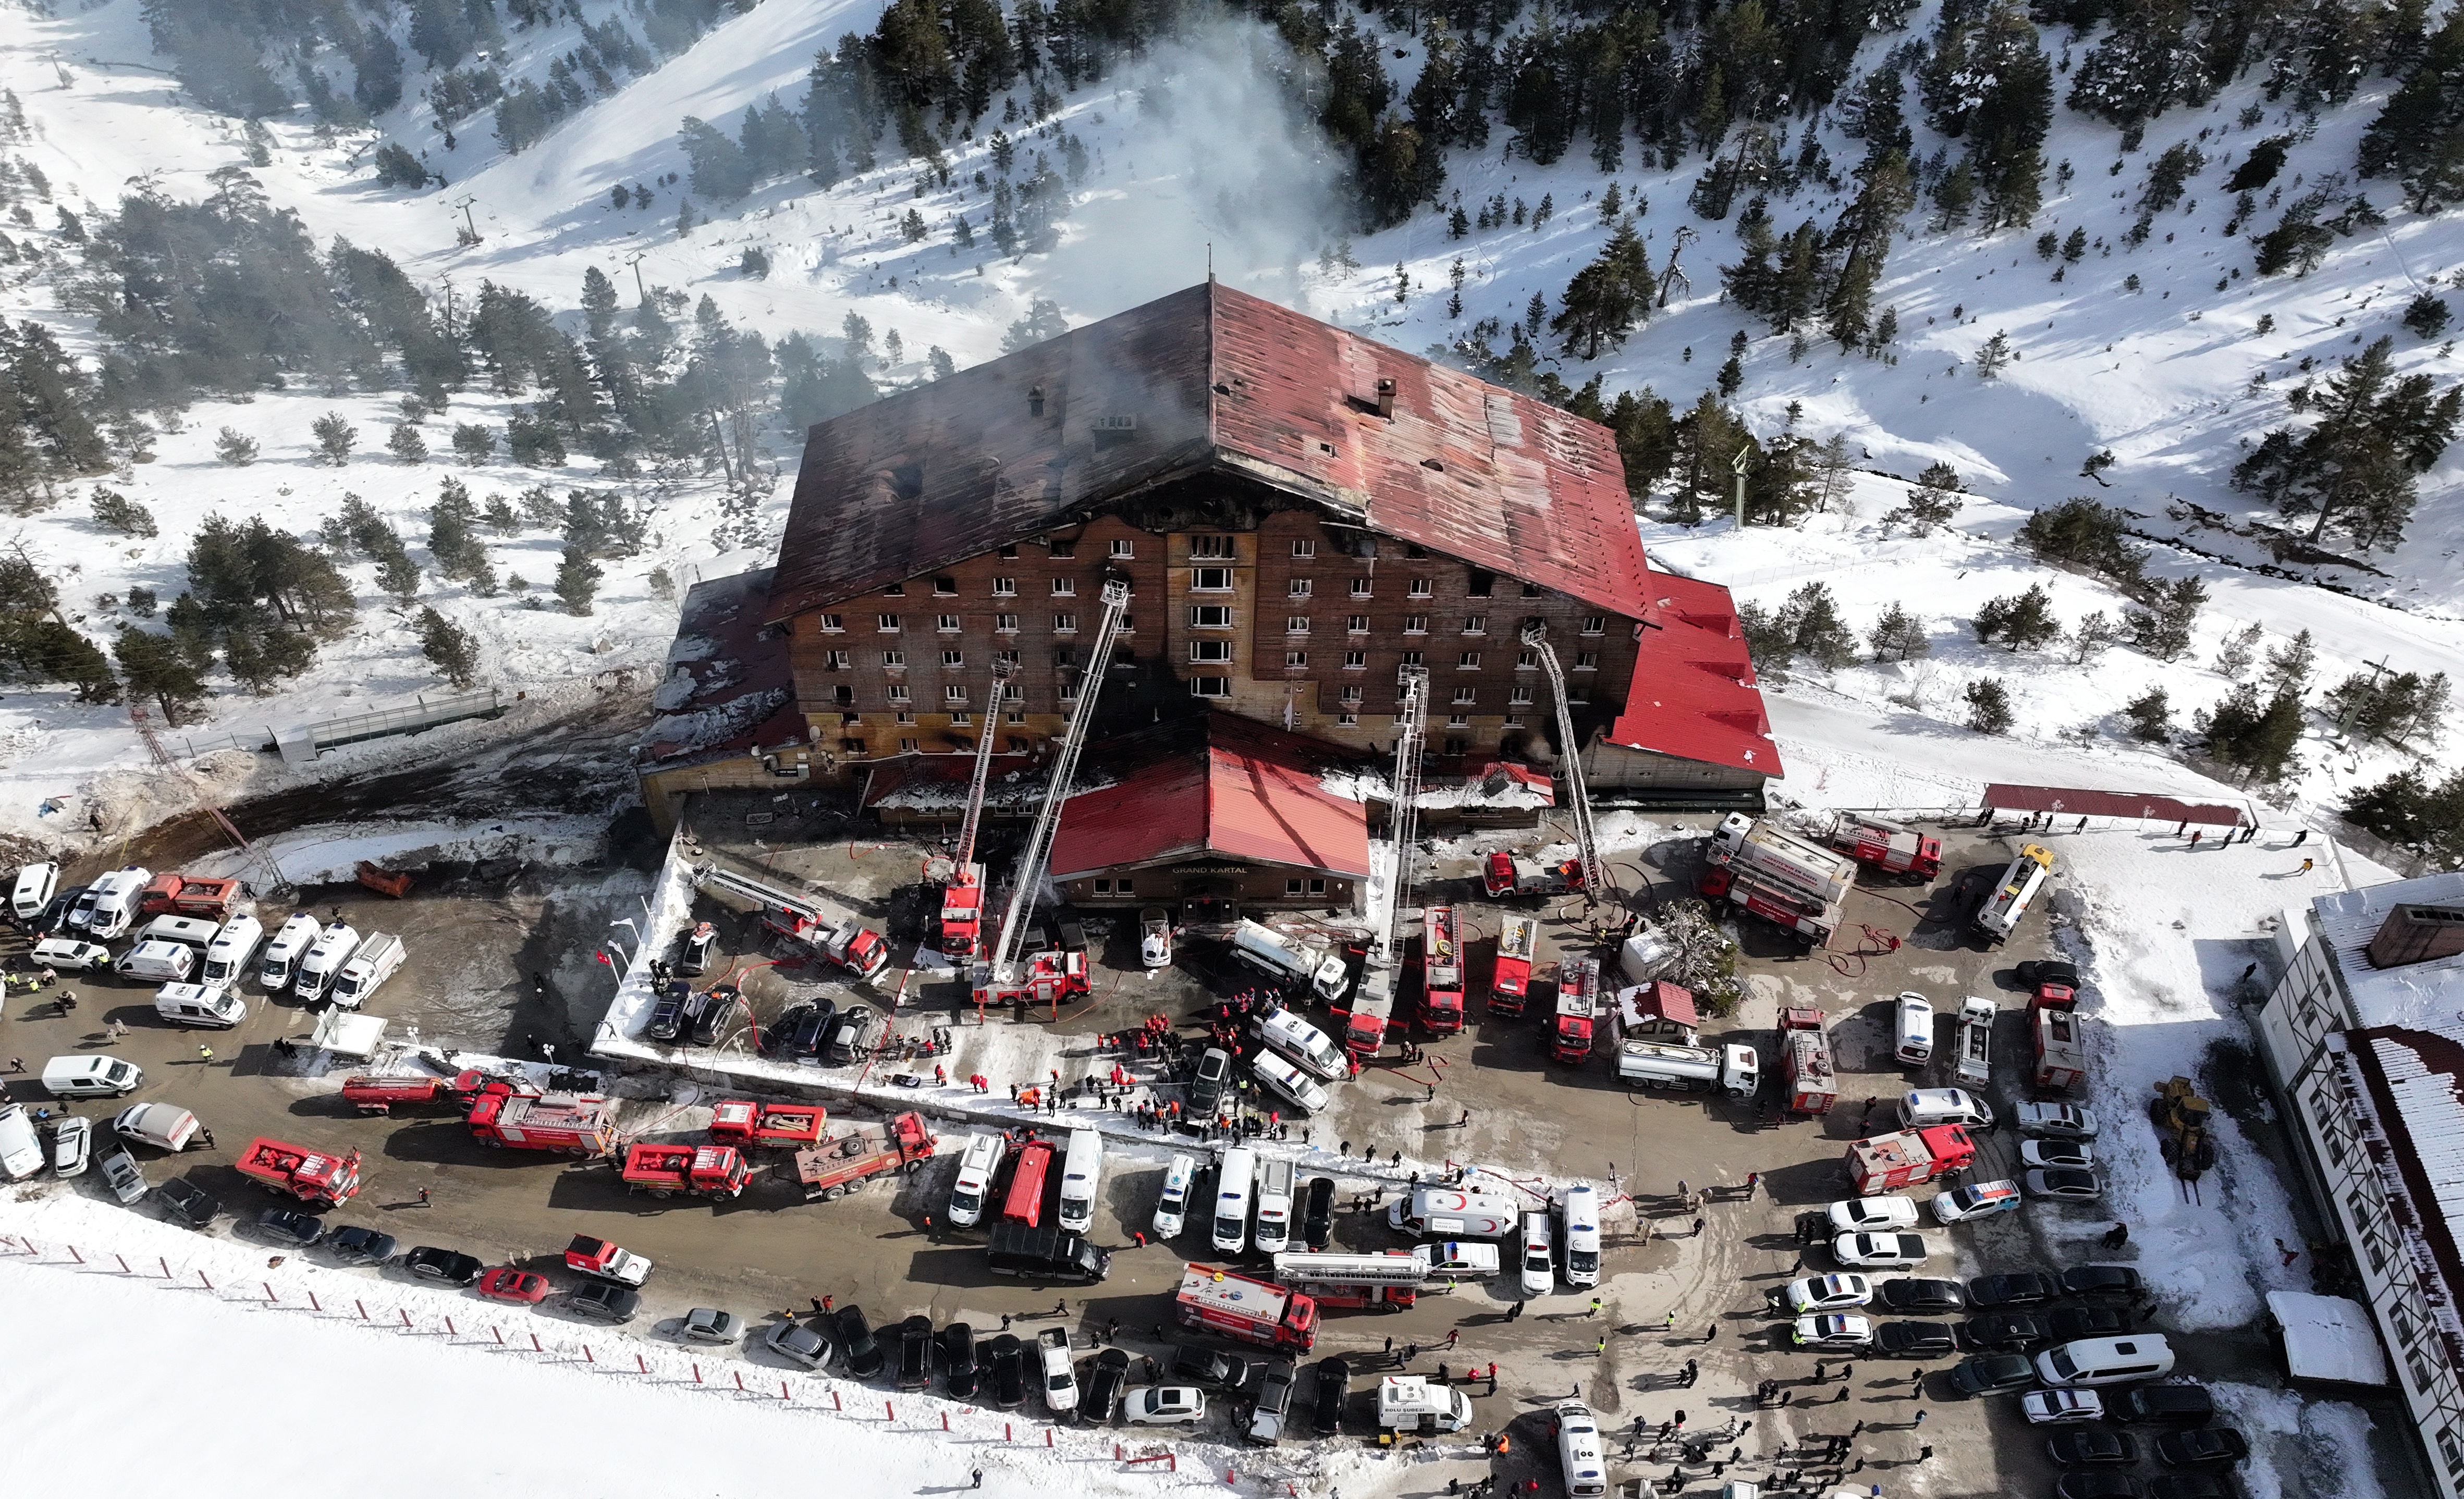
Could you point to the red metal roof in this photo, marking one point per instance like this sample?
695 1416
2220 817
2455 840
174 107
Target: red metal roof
1693 693
1245 791
2070 801
1207 380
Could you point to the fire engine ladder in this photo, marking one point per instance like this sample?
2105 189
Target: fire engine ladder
1409 742
1065 767
966 850
1587 842
763 893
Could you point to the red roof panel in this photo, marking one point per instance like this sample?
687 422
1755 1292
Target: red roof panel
1693 693
1248 791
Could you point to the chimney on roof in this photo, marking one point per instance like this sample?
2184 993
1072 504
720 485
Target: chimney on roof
1035 400
2417 935
1386 399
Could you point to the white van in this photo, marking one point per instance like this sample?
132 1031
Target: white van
227 955
1232 1182
1579 1215
92 1077
2107 1360
291 943
1456 1259
1172 1209
1082 1176
199 1004
1914 1029
978 1164
378 959
1999 917
1539 1255
1307 1045
326 956
21 1150
1924 1107
1443 1213
161 1125
1579 1453
109 904
158 962
190 931
1274 1208
36 885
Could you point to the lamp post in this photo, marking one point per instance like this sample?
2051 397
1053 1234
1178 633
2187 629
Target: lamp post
1745 455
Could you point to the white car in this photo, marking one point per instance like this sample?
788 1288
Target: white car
1539 1255
72 1144
1171 1208
1976 1200
1825 1294
1297 1088
2061 1407
120 1172
2057 1154
1155 937
1060 1378
2055 1120
21 1149
70 955
2070 1187
1836 1330
1866 1215
1165 1406
1882 1251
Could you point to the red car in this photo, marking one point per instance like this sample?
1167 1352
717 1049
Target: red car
508 1284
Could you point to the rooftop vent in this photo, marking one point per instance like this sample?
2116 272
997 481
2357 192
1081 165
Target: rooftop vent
1386 399
2417 935
1035 400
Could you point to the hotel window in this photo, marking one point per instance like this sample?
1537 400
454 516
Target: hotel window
896 590
1420 588
1587 660
1360 588
1579 696
905 720
890 624
1010 656
954 694
832 624
1129 625
1210 616
851 746
954 659
1466 695
1355 660
1594 623
963 720
1475 625
946 624
945 587
1126 887
1211 579
1124 549
1313 886
1065 624
1006 623
898 692
1296 624
907 746
1480 585
850 720
1292 659
1468 661
1304 548
1064 587
843 693
1519 698
1009 553
1210 650
1347 719
1411 659
1004 588
1356 624
1299 589
1210 546
835 661
1527 661
1458 746
1065 550
1414 551
893 660
1531 590
1350 695
1013 693
1415 624
1102 887
1210 687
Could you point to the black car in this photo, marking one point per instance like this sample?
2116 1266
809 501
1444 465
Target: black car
2101 1279
1103 1393
2019 1288
710 1019
915 1353
1990 1373
2088 1447
1334 1388
188 1202
2004 1332
1206 1084
1207 1366
2088 1482
1916 1339
2204 1446
1317 1214
290 1227
852 1036
959 1369
2037 971
357 1245
1005 1370
431 1263
2070 1324
1915 1293
605 1301
56 915
2162 1404
695 959
2189 1485
797 1035
668 1016
864 1355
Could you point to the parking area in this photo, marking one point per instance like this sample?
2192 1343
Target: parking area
503 961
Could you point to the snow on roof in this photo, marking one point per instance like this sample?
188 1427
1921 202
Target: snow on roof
2425 995
726 690
2328 1339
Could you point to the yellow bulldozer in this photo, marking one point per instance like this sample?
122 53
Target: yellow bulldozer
2180 1117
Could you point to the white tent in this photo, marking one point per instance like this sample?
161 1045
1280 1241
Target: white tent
348 1034
2327 1339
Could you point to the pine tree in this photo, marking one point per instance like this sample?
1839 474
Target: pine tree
2289 670
451 648
114 511
334 438
2095 633
577 581
2021 621
1899 635
2163 628
155 667
1731 377
2239 650
2355 468
2260 738
473 443
406 444
235 447
1607 298
1811 617
2151 716
1988 706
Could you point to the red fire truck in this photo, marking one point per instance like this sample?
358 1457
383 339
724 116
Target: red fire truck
1886 846
2061 1048
1390 1281
1509 875
1579 1007
603 1260
1251 1311
1805 1061
1509 980
517 1114
1046 978
1024 1203
1441 971
372 1094
843 1163
788 1126
699 1170
308 1174
187 896
1889 1163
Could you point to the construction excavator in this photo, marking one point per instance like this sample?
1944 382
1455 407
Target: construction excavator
2181 1119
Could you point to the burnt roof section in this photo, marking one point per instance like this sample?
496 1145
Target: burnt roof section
1208 380
726 690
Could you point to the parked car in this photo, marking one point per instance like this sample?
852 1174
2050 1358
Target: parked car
1206 1084
1873 1215
1831 1330
1155 937
864 1357
1992 1374
2162 1404
505 1283
667 1017
1006 1371
1911 1293
2092 1449
2107 1280
187 1202
1165 1406
1333 1390
2202 1446
1317 1214
2061 1407
1882 1251
2016 1289
1976 1200
431 1263
915 1352
2073 1323
2004 1332
21 1148
2070 1186
694 960
357 1245
1294 1086
1059 1378
960 1373
717 1009
2066 1121
710 1325
1209 1367
1916 1339
1824 1293
161 1125
72 1144
1274 1403
795 1036
852 1036
797 1343
1104 1385
121 1174
2088 1482
2063 1155
290 1226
